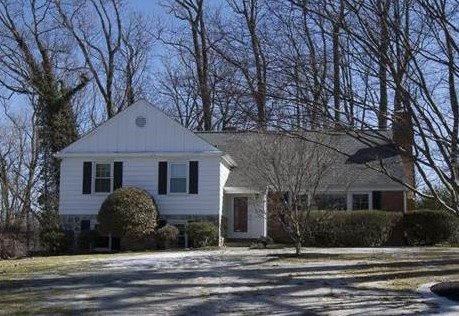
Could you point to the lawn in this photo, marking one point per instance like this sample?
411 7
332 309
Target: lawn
322 281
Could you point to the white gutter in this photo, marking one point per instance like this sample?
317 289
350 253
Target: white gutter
240 190
137 154
231 163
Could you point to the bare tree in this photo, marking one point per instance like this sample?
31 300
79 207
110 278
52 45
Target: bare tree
35 61
294 171
177 95
192 12
231 44
300 52
425 115
114 49
19 171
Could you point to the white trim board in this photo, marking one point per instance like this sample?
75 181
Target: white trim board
137 154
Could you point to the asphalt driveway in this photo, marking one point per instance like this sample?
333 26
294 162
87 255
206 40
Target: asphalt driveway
237 281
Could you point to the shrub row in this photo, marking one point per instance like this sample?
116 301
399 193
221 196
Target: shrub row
12 246
426 228
351 229
379 228
200 234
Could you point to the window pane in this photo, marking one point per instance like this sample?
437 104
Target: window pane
178 170
103 170
330 201
102 185
360 202
85 225
178 185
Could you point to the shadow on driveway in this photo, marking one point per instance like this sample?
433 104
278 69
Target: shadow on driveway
246 283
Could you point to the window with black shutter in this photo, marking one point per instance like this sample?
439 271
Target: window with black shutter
117 175
87 175
162 177
376 200
194 177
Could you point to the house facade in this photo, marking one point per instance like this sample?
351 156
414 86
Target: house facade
192 176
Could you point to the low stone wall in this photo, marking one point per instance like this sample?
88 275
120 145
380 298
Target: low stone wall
73 222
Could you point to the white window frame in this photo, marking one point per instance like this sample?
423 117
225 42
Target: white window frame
94 165
370 202
169 176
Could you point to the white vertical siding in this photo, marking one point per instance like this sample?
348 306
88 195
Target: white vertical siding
143 173
121 134
224 174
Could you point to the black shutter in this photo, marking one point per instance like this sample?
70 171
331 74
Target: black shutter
194 175
117 175
162 177
376 200
87 175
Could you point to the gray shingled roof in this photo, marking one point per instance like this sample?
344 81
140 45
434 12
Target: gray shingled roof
236 144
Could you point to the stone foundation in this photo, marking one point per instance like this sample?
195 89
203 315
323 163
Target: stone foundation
73 222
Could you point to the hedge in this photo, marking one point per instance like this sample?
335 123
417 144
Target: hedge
380 228
427 228
351 229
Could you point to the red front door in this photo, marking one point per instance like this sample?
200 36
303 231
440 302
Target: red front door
240 214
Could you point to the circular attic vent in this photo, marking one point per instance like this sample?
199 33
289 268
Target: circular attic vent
140 121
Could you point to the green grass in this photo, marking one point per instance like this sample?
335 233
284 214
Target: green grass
23 302
23 268
26 301
397 271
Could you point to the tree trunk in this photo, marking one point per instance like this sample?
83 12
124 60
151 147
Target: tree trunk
336 74
298 248
383 49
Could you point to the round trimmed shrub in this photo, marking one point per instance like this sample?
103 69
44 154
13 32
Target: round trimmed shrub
202 234
167 236
128 213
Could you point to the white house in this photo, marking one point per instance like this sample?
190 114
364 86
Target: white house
192 176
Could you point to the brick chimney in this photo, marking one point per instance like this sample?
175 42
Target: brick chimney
403 136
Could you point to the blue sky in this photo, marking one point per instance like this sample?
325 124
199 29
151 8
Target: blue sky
147 6
143 4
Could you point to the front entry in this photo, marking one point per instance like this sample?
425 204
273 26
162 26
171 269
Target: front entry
240 212
244 216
